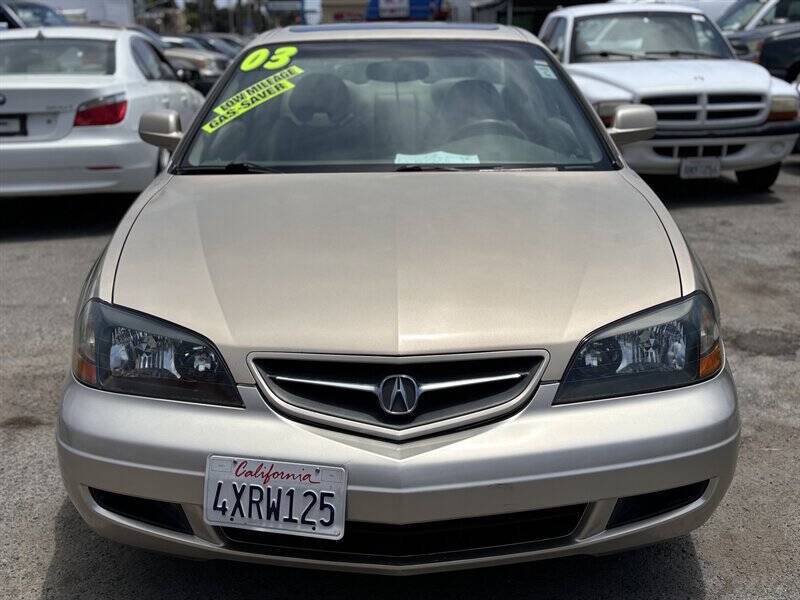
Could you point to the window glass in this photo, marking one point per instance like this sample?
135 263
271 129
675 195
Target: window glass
57 56
739 15
380 105
5 20
557 41
149 61
547 29
785 11
654 35
39 15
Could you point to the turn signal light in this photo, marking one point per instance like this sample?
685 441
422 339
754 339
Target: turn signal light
711 362
103 111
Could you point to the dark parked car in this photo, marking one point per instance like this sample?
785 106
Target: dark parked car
781 53
750 44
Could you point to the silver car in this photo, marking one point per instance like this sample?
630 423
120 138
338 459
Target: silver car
70 103
398 305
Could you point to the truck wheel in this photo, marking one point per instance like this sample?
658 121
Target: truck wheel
759 180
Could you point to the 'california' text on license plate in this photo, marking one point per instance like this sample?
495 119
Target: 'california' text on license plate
700 168
279 497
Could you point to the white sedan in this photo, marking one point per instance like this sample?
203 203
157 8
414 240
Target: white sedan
70 103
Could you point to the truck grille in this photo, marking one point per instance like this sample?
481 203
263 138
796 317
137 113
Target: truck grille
693 150
398 397
707 110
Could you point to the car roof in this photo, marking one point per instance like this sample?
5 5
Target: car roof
94 33
585 10
393 31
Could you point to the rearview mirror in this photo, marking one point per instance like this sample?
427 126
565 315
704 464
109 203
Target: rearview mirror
161 128
633 123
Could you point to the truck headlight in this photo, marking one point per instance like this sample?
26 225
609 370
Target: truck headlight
783 108
666 347
123 351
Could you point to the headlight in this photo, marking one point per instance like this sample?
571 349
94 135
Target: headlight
209 68
667 347
783 108
122 351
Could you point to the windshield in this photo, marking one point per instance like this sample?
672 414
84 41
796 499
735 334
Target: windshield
383 105
646 35
39 15
739 15
57 56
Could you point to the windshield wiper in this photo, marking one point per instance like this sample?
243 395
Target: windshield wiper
682 53
403 168
608 53
231 168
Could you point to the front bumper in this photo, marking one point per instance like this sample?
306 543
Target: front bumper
103 160
586 453
663 155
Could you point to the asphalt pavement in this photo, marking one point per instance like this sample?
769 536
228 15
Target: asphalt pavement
750 549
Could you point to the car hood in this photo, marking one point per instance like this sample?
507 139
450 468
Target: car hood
645 77
396 263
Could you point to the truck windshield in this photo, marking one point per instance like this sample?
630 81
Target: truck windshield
395 105
646 35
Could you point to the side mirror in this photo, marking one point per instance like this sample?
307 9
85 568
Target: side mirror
633 123
161 128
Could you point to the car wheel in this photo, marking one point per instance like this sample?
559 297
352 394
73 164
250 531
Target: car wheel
162 159
759 179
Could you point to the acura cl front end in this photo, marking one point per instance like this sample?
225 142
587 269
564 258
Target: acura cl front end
379 316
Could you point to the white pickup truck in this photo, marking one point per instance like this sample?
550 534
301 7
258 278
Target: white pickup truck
714 112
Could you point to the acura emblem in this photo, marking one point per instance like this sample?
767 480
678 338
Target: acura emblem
398 395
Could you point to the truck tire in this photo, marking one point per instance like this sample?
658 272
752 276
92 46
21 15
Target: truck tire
759 180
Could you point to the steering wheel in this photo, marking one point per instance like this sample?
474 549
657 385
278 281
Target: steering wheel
477 127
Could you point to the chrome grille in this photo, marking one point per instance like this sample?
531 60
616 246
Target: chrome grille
683 111
348 392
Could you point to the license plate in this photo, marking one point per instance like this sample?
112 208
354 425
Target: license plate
278 497
10 125
700 168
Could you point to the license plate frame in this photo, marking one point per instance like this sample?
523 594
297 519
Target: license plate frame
704 167
299 516
11 125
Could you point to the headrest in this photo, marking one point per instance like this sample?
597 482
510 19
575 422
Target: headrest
317 93
474 98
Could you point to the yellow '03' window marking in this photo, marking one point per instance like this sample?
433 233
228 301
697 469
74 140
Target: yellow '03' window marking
280 58
268 88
